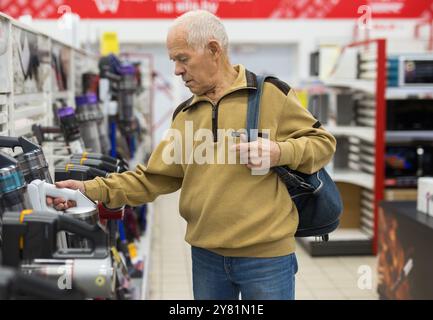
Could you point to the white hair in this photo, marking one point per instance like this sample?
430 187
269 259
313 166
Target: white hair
200 27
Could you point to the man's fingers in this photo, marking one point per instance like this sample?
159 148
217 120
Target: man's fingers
58 201
243 146
49 201
60 206
61 184
71 203
255 164
70 184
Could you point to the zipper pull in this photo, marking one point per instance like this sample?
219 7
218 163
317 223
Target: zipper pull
213 112
214 125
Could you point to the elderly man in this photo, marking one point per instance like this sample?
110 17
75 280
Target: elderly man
240 226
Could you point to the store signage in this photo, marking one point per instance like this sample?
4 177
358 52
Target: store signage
231 9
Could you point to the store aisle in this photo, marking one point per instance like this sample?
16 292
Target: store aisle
318 278
170 274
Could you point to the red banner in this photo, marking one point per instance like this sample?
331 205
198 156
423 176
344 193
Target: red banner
230 9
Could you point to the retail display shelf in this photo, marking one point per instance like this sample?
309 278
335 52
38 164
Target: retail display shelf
362 179
367 86
350 241
143 253
23 127
29 111
402 136
364 133
146 253
408 92
3 99
3 117
348 234
62 95
29 97
36 72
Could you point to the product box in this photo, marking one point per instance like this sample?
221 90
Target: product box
425 195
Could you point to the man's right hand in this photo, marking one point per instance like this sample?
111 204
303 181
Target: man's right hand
60 203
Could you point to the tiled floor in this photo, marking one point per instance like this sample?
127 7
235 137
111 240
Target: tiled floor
327 278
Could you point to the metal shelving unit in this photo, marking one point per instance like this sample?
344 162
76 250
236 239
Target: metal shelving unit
363 150
24 101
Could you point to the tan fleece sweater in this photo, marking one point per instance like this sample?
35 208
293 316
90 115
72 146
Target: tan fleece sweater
228 210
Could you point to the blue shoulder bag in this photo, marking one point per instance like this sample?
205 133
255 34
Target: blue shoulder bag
316 196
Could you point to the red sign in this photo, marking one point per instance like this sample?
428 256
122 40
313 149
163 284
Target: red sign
231 9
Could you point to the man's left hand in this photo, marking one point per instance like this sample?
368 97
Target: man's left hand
262 153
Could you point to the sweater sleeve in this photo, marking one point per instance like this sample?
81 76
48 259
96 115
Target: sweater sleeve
304 147
140 186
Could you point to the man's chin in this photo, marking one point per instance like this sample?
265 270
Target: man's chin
195 91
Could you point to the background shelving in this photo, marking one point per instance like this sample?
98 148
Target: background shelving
27 99
351 106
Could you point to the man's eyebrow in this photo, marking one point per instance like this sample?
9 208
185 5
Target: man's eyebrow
179 55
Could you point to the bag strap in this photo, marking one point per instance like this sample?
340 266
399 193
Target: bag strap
253 113
253 110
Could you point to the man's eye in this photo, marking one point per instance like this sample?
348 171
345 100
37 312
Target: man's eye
183 60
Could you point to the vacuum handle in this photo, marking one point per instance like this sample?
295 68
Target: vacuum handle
96 156
6 160
12 142
39 190
9 142
67 194
91 232
51 130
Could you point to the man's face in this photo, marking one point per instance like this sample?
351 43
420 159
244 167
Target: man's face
196 67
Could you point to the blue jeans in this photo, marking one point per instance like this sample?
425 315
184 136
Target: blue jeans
217 277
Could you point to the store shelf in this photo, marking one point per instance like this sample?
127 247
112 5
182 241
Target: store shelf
341 242
143 251
362 179
406 136
62 95
367 86
23 127
3 99
3 118
29 111
147 241
408 92
29 97
348 234
364 133
391 93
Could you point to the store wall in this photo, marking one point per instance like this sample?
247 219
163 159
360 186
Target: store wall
273 58
305 33
272 46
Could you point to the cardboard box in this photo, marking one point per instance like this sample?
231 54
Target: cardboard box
425 195
351 196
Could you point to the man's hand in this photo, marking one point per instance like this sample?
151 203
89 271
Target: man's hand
261 154
60 203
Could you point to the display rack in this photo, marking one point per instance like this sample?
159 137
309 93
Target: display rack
409 135
26 100
357 167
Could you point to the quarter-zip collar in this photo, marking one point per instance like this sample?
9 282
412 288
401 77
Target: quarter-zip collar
245 80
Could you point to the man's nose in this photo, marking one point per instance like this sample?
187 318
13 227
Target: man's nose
178 69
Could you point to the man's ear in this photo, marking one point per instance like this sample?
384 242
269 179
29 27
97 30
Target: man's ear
214 48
